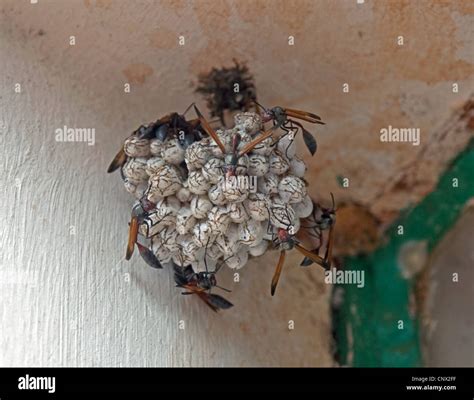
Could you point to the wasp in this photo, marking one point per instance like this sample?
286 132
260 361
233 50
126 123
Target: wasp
175 124
201 284
139 213
283 118
284 240
321 219
231 160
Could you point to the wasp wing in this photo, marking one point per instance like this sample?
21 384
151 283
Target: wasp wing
308 138
149 257
219 301
118 161
207 128
328 255
308 261
249 146
276 275
132 237
205 298
182 275
304 115
312 256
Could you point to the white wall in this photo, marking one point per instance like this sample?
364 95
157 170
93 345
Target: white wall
74 306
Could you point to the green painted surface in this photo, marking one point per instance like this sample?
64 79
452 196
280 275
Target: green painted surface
373 313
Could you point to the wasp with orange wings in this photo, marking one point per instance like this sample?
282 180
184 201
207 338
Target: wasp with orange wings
170 125
139 213
201 284
231 160
285 240
284 118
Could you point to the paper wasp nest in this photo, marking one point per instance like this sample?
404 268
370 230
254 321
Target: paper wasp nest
201 218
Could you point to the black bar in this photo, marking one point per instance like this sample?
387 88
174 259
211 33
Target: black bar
234 380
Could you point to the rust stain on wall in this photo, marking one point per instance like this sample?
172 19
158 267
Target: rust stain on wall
137 73
428 54
163 38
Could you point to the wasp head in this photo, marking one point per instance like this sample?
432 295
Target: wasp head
206 280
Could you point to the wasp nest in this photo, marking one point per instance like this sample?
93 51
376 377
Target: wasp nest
200 216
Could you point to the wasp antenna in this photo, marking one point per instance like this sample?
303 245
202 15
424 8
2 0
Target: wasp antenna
258 104
189 107
205 255
218 267
223 288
